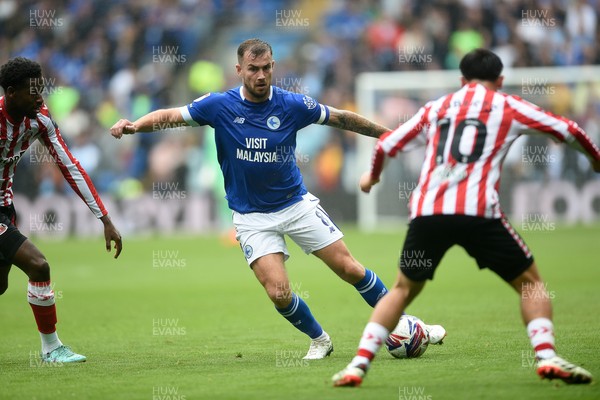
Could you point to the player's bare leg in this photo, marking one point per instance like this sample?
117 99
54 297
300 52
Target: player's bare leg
384 318
395 302
4 270
41 299
270 272
535 302
343 264
339 260
536 310
400 296
31 261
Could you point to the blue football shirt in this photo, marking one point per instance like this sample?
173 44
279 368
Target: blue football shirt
256 144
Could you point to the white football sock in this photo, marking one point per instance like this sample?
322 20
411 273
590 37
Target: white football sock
50 341
541 335
373 338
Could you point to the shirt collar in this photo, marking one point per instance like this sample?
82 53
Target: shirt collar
242 93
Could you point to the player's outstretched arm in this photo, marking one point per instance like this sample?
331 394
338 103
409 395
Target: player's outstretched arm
354 122
561 128
111 234
154 121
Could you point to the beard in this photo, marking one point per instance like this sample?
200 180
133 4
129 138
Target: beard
258 92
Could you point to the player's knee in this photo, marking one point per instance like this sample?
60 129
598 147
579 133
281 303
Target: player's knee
39 269
529 280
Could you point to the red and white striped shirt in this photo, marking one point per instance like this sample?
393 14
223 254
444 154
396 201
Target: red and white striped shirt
467 135
15 139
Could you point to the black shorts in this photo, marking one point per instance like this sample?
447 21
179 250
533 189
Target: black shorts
493 243
10 237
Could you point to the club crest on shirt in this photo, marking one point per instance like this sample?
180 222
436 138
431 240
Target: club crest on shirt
310 102
273 122
3 228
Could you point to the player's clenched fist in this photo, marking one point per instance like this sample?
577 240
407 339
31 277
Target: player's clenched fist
366 182
122 127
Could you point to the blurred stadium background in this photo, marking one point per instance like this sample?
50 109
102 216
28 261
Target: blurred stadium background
109 59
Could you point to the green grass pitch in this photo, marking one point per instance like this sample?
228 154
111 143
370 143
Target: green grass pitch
184 318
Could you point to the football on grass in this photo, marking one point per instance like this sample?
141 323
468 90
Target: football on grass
409 339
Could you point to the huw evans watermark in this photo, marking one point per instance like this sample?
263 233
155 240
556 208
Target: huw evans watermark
414 55
45 19
533 18
167 393
167 327
291 19
289 359
168 55
168 259
167 191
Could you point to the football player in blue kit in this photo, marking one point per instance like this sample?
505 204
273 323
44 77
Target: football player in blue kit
255 133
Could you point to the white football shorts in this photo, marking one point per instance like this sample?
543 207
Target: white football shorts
305 222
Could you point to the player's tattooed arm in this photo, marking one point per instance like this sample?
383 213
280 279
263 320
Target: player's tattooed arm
354 122
154 121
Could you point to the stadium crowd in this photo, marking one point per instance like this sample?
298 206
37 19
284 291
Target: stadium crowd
103 59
